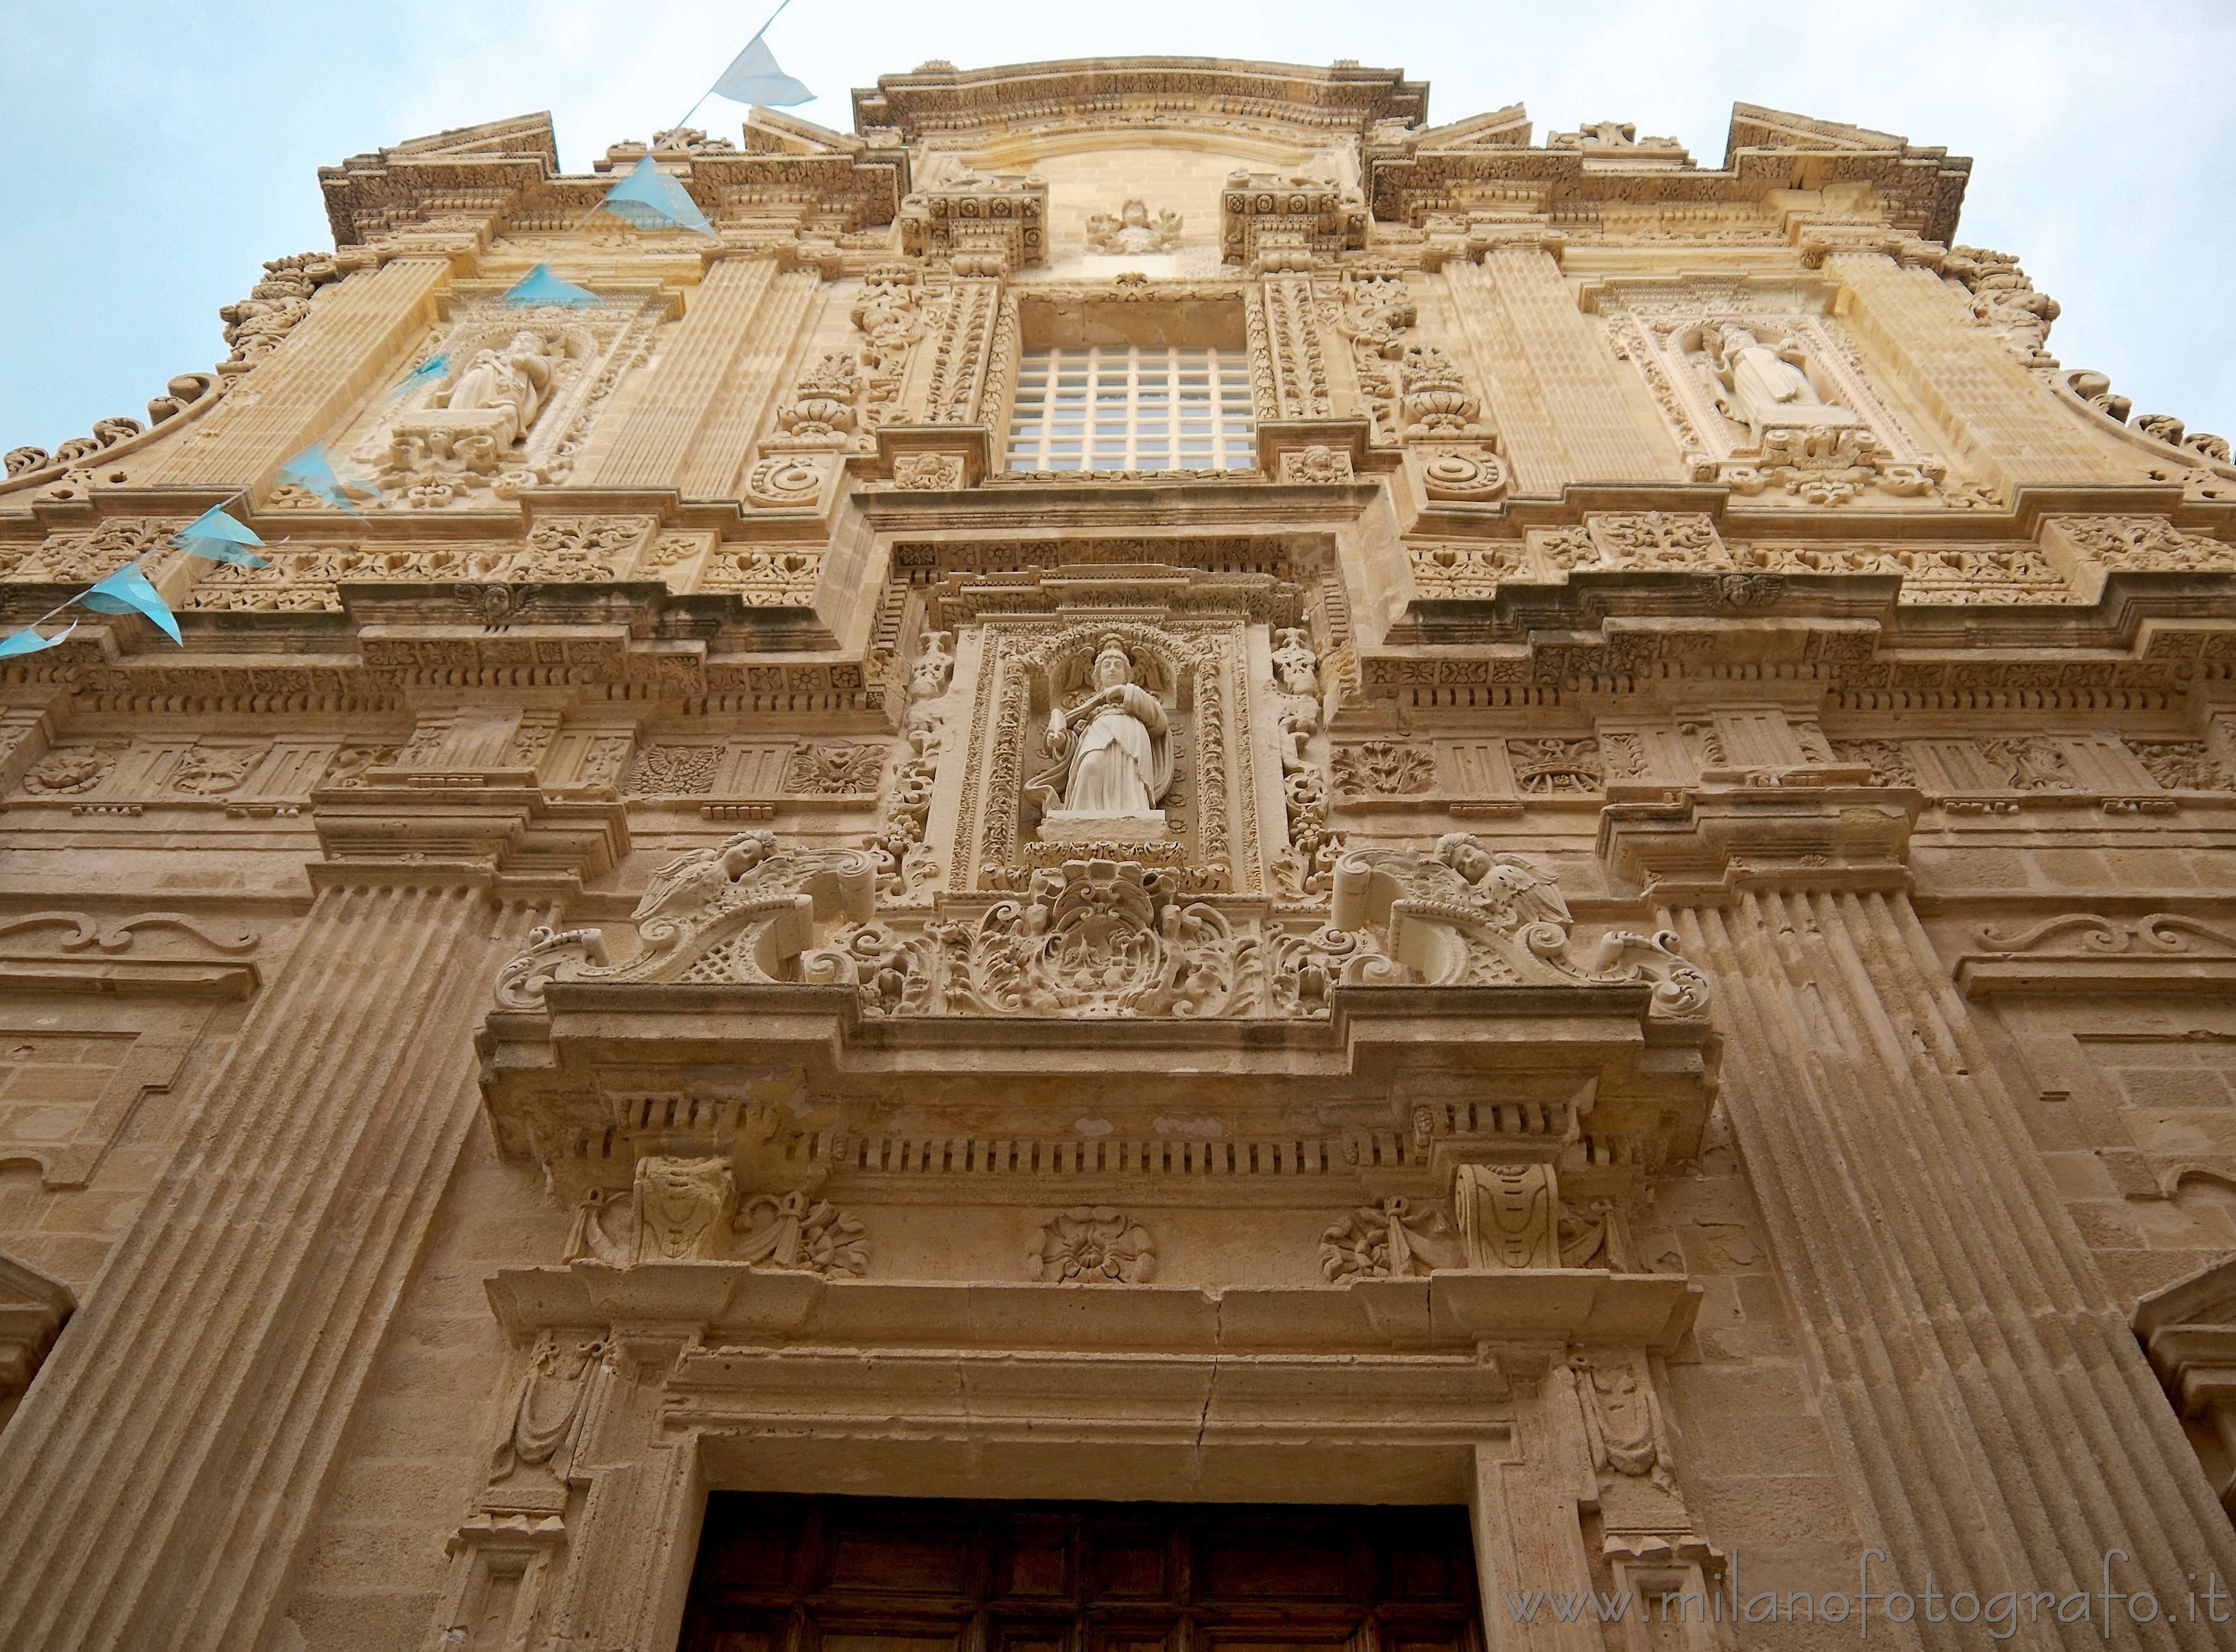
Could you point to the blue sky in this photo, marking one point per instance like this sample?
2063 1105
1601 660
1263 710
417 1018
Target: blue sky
162 153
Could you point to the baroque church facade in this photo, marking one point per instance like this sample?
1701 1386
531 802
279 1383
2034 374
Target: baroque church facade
1175 862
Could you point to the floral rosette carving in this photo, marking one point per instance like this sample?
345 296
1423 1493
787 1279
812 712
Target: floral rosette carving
1094 1245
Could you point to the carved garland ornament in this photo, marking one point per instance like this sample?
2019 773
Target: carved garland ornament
1104 939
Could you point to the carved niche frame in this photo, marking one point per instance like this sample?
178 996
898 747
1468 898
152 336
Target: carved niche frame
1202 664
1656 323
600 347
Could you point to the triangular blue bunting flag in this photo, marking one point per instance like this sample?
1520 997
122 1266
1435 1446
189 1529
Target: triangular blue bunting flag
312 471
540 286
651 200
127 591
753 77
27 641
217 537
433 367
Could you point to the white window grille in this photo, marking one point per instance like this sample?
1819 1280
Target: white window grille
1132 408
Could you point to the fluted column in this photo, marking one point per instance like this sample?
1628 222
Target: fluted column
1988 401
162 1477
297 395
1552 382
1998 1422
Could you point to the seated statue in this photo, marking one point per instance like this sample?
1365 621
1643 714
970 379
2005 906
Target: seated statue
1763 386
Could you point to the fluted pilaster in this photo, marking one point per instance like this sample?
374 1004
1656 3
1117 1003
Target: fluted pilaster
163 1477
1550 380
303 391
1994 1410
693 420
1989 403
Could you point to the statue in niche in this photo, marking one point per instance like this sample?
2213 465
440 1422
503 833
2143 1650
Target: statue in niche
1133 230
513 380
1763 387
1116 747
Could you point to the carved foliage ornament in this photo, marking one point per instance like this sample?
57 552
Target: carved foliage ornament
1131 229
1383 768
1414 392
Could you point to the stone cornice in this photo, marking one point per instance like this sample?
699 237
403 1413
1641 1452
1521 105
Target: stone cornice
1452 1310
448 192
1308 105
1921 190
489 827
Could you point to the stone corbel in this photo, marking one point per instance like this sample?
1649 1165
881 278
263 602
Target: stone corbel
1318 450
1819 242
2188 1330
1272 224
460 239
978 226
800 253
934 457
32 1309
492 825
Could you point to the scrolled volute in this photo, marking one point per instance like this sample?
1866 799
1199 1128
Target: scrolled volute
742 911
520 984
1471 916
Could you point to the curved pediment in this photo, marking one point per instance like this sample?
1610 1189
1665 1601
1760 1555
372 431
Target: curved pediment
939 104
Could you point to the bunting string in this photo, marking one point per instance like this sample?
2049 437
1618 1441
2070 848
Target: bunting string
214 535
646 197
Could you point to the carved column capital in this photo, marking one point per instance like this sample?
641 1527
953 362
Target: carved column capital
1714 842
494 828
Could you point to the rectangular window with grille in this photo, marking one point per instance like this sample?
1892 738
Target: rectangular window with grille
1132 407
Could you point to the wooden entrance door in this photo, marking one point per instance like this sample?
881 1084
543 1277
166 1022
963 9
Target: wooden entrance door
816 1574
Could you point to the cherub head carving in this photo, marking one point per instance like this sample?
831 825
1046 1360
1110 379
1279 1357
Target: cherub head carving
1465 855
745 851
